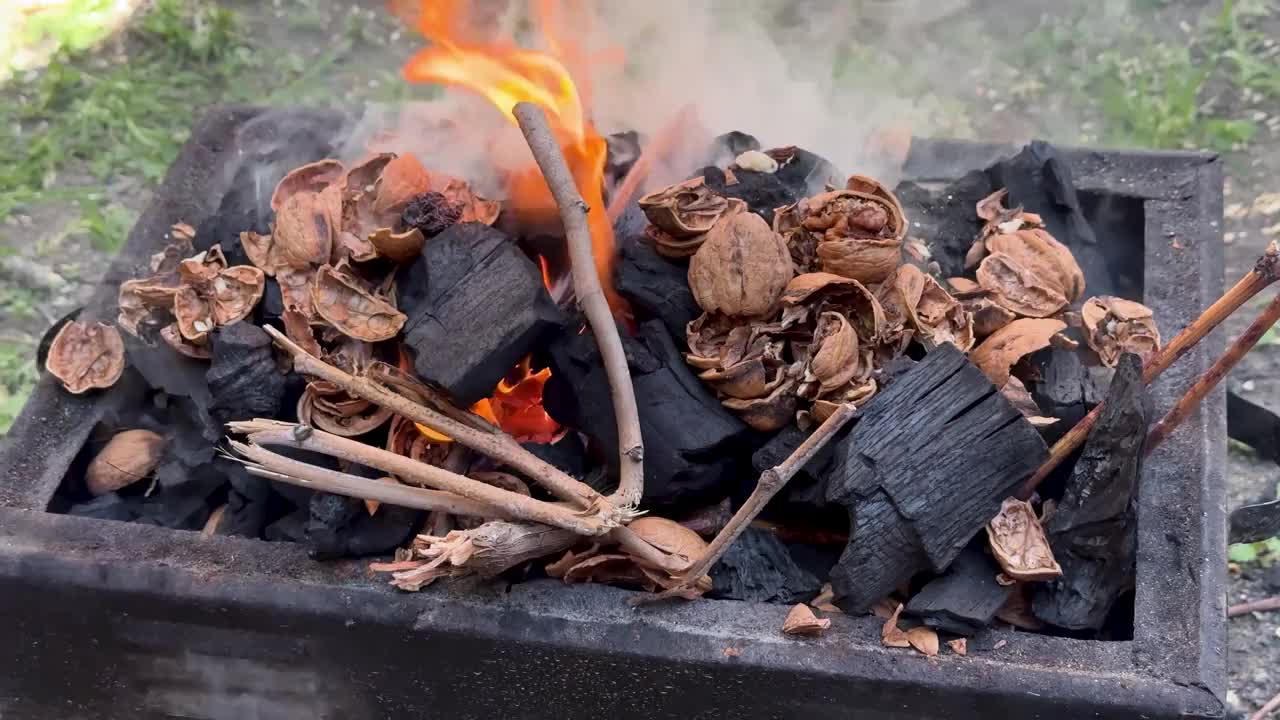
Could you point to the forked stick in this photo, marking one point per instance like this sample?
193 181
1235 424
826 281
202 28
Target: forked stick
1203 384
522 507
1265 272
498 446
586 285
771 481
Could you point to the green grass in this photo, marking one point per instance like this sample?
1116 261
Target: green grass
17 375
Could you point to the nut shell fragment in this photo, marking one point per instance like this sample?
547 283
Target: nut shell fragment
127 457
398 247
915 299
801 621
741 269
669 536
313 177
834 355
86 355
1019 543
685 209
344 302
1115 326
998 353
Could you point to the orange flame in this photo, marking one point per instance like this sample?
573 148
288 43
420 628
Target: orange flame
506 74
515 406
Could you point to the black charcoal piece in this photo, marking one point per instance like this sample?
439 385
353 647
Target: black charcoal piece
623 150
965 598
926 467
290 528
724 148
693 447
807 489
272 305
757 567
178 376
110 506
340 526
476 306
657 288
1253 425
947 217
568 453
1254 523
1093 529
1064 389
802 175
243 378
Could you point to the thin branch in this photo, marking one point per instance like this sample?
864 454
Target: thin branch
1214 375
771 481
274 466
269 432
497 446
1272 705
1253 606
586 285
1265 272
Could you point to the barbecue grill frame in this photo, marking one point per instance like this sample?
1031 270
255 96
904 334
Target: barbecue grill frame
109 619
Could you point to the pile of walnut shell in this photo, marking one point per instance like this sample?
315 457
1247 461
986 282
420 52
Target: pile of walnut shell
804 315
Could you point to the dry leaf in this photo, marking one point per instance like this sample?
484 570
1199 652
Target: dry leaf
312 178
345 302
397 247
959 646
890 634
401 180
924 639
741 269
1115 326
686 209
1019 543
127 457
612 568
802 621
85 355
999 352
570 558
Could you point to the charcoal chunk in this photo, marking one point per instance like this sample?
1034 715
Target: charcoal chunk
657 288
243 378
948 217
693 447
431 213
476 306
801 175
568 453
965 599
759 568
1253 425
110 506
922 472
290 528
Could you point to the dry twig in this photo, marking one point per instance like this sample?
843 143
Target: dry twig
1265 272
586 285
496 445
1253 606
771 481
1203 384
271 432
1272 705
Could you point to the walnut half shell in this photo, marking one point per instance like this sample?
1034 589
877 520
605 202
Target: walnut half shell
86 355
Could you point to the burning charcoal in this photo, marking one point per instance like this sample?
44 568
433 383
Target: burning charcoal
431 213
926 467
243 377
1253 425
476 306
965 599
947 217
758 568
657 288
290 528
110 506
692 445
1093 529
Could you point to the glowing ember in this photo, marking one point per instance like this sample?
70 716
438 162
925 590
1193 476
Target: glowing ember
516 407
506 74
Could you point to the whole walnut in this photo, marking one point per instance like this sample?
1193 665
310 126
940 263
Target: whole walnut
742 267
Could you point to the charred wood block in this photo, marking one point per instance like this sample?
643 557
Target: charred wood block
926 467
243 378
1253 425
657 288
965 599
476 306
759 568
110 506
1093 529
1067 389
692 445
